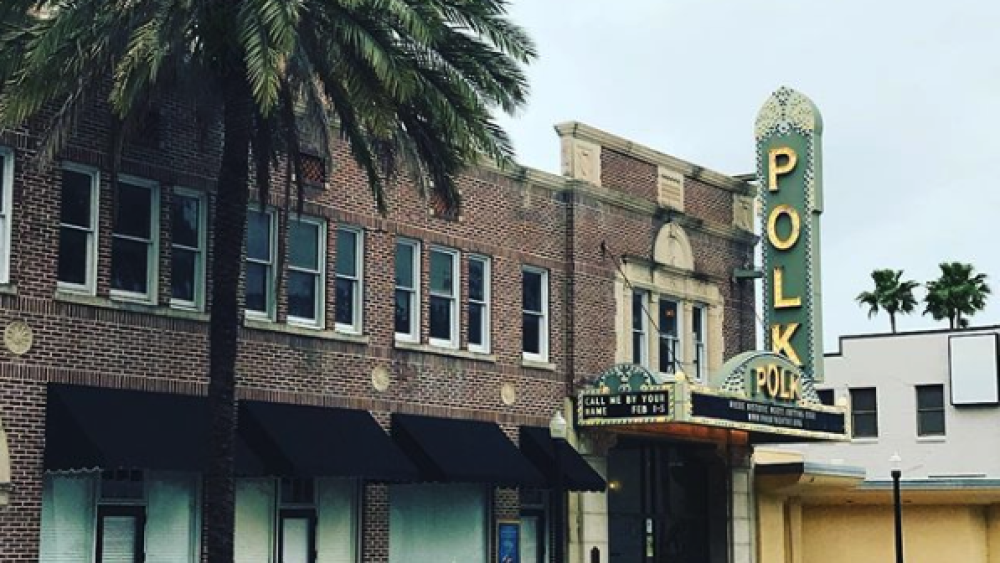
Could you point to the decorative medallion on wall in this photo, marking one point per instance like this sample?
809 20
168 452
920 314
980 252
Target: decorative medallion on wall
18 337
381 379
508 394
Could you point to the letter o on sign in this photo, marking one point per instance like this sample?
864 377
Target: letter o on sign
772 227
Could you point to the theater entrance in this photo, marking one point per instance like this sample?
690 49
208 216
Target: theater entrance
667 503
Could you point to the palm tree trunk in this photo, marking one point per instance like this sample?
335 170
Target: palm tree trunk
892 322
230 221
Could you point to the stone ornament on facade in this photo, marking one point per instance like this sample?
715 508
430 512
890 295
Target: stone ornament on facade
670 188
581 160
381 379
673 248
18 337
743 212
508 394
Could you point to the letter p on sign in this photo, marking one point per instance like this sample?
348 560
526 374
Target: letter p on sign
774 169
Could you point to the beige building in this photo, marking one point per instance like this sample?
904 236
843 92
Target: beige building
930 397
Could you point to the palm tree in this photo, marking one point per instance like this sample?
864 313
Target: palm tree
891 295
956 293
411 84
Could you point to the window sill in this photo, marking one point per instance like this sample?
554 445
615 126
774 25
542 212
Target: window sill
131 298
535 364
308 332
116 305
440 351
864 440
932 439
8 289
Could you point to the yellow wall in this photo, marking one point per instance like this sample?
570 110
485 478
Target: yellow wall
864 534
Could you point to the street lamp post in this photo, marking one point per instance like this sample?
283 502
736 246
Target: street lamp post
557 429
896 473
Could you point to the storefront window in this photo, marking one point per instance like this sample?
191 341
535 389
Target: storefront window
299 520
438 524
120 516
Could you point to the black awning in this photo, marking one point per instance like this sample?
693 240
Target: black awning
452 450
577 475
306 441
91 427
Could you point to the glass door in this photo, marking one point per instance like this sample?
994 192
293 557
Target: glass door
297 536
120 534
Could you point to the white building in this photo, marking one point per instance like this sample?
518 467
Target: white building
932 397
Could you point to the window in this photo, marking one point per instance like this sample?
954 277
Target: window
187 253
408 290
306 264
313 170
535 314
260 264
6 207
134 255
930 410
349 274
444 298
825 396
670 342
479 304
640 328
864 413
698 338
77 229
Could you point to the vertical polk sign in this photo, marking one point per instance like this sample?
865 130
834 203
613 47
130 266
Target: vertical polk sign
789 167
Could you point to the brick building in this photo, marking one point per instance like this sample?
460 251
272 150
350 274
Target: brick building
378 354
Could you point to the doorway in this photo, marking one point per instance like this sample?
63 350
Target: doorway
666 503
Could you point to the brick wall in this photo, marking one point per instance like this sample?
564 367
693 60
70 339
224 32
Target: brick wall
628 174
105 343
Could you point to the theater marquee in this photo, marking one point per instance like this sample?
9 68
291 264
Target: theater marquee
767 393
760 394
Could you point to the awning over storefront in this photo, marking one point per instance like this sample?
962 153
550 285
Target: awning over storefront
94 427
305 441
577 475
91 427
451 450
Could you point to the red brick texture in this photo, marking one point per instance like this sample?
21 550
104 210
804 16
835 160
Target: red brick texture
107 343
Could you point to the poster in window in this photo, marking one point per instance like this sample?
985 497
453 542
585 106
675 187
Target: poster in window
508 541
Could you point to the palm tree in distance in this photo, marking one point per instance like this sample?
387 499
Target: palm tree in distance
958 294
412 86
891 294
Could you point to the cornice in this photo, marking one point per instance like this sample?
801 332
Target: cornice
622 200
532 176
586 132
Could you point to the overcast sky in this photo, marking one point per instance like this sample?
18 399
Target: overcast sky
909 92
